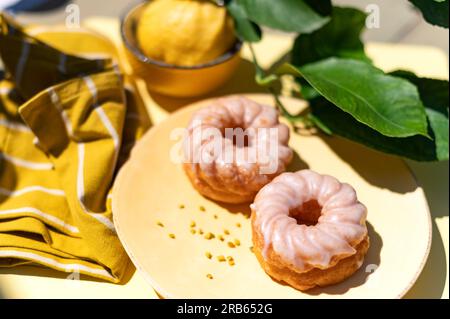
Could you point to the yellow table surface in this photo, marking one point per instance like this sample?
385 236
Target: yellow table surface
34 282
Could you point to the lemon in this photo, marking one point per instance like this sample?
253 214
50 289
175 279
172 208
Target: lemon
185 32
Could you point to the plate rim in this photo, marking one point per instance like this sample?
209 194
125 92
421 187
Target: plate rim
430 233
187 109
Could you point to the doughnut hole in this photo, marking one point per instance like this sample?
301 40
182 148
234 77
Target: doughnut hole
307 214
240 136
240 139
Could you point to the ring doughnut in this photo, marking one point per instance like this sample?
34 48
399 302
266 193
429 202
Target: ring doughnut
309 229
226 171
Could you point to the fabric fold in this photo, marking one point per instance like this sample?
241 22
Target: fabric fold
66 125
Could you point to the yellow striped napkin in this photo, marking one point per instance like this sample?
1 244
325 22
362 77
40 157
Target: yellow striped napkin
66 125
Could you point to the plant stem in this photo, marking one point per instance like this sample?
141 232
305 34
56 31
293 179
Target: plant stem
267 81
259 71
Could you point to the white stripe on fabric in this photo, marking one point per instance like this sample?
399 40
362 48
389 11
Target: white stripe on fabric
57 103
80 190
81 151
5 90
116 141
36 141
129 87
101 113
22 61
92 88
111 130
51 262
15 126
104 220
26 164
30 189
37 212
116 70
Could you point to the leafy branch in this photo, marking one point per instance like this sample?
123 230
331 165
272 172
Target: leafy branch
397 113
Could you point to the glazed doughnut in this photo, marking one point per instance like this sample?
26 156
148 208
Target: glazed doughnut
233 170
309 229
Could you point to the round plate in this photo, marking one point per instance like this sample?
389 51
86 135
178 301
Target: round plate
153 201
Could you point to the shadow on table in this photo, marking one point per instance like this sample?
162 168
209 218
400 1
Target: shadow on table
243 81
244 209
371 262
434 179
431 282
371 165
297 163
435 182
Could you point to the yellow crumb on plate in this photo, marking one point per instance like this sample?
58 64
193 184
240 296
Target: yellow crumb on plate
209 236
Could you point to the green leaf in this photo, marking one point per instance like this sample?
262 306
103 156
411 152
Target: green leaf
285 15
317 122
434 12
417 147
339 38
306 90
387 104
434 94
439 125
323 7
245 29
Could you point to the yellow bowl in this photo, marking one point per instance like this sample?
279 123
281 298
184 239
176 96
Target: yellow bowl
173 80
